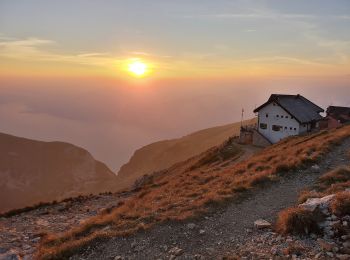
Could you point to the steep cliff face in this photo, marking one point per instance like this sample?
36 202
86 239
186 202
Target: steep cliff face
35 171
163 154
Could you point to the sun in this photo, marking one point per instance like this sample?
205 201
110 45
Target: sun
137 68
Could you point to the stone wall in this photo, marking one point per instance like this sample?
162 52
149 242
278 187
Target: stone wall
260 140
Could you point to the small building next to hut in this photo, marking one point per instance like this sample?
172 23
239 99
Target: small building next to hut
336 116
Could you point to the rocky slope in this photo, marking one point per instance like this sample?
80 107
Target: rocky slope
163 154
35 171
229 232
195 188
21 232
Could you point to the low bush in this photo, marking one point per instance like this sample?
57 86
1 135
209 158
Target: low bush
341 174
297 221
340 205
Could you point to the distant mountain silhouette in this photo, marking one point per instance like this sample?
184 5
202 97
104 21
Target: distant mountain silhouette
35 171
163 154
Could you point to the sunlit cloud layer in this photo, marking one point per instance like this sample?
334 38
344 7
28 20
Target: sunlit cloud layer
42 53
179 38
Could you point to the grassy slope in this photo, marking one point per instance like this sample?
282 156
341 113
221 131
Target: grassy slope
332 182
189 188
161 155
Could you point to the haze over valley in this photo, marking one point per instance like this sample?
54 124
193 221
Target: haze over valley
111 118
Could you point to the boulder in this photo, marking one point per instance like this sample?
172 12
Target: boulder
346 244
175 251
325 245
321 203
345 237
191 225
330 254
261 224
315 168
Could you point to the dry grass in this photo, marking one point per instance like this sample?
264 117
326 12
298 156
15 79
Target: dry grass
340 206
184 191
339 175
332 182
297 221
292 220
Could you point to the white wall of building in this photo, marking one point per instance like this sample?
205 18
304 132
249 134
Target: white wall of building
279 117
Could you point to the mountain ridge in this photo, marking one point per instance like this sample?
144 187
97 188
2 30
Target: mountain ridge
34 171
163 154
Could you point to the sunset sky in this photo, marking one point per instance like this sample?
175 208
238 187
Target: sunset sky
64 65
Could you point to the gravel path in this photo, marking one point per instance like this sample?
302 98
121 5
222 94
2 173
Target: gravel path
213 235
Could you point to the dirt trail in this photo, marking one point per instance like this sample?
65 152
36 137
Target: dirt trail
249 150
214 235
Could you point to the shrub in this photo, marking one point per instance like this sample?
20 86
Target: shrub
260 180
280 168
297 221
340 205
341 174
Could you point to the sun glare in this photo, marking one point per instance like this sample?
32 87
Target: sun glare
137 68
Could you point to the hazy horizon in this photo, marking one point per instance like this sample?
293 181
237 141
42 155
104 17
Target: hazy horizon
64 66
112 121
